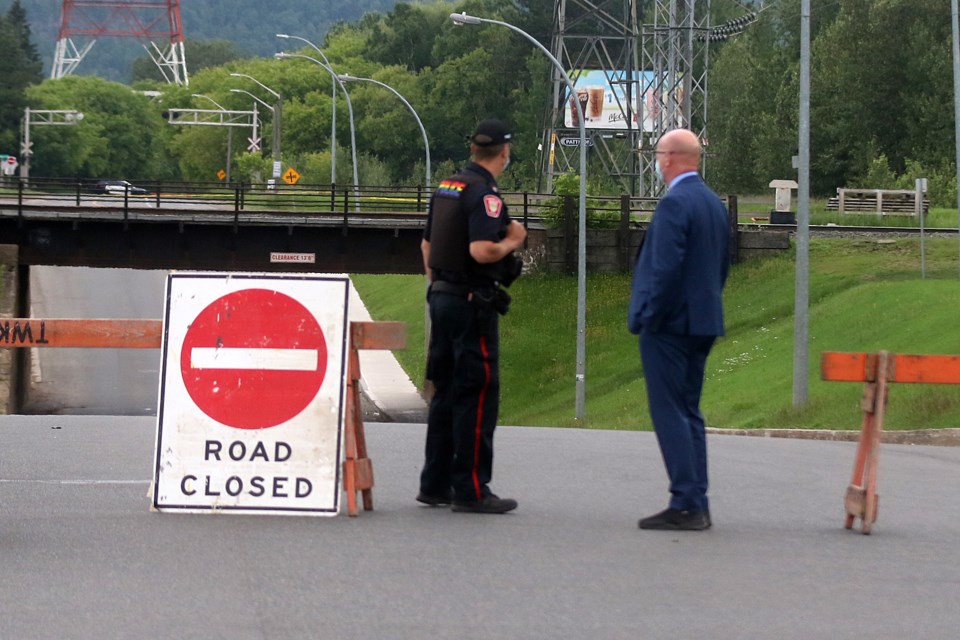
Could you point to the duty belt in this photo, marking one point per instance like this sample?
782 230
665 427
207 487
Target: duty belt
441 286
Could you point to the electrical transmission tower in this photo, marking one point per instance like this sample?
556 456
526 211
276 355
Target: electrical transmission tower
82 22
636 81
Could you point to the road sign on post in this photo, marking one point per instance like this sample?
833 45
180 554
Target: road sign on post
291 176
8 165
252 394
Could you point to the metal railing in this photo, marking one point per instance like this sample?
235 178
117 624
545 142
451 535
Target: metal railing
217 200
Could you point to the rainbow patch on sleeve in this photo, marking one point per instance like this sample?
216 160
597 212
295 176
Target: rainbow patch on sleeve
451 188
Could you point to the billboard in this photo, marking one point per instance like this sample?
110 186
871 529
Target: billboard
603 97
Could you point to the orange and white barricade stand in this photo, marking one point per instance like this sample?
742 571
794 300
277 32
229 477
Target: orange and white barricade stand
877 370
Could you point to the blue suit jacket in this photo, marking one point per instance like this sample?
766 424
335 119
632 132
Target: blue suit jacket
679 275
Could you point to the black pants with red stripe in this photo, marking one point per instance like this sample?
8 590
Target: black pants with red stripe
463 364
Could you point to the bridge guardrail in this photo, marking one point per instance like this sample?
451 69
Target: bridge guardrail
225 199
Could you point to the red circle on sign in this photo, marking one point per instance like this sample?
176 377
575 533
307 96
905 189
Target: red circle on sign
253 359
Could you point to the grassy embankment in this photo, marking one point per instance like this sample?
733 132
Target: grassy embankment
865 295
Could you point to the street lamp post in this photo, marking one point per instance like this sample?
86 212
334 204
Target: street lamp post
229 133
423 132
42 117
333 98
346 94
955 29
801 299
463 18
277 116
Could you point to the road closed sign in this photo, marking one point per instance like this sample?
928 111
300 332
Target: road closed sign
252 393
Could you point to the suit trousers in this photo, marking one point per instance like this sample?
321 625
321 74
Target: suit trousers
673 369
463 364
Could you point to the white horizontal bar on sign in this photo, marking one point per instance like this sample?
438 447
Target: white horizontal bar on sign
262 359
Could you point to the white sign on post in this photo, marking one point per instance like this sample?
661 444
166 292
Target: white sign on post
252 390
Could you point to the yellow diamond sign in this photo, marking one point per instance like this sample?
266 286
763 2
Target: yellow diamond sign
291 176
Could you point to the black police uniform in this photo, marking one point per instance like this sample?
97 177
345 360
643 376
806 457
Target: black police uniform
463 361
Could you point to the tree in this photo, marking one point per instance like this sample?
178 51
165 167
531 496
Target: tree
120 135
20 67
398 37
18 18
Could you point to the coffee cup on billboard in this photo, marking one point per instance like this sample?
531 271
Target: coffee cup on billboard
582 97
595 99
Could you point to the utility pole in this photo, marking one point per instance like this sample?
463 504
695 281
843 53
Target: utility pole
802 293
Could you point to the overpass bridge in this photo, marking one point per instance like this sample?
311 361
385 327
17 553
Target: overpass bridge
242 227
238 228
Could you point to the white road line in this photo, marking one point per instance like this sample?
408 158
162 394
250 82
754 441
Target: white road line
260 359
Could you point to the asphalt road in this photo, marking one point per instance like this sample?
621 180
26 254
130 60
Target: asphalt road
95 381
83 557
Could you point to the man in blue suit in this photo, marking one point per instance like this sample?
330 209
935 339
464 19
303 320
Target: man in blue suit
676 306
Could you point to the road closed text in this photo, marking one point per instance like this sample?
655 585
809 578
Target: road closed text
242 454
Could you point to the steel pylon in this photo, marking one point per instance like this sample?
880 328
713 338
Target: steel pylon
652 63
156 23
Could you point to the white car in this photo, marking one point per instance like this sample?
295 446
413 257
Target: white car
119 187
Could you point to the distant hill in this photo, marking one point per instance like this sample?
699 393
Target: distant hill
250 24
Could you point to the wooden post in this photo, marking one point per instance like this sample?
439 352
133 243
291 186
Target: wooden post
357 467
733 214
624 263
861 499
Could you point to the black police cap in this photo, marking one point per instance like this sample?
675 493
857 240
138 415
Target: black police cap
491 132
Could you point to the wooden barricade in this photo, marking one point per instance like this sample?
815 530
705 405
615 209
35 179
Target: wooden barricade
877 370
115 333
879 202
357 467
148 334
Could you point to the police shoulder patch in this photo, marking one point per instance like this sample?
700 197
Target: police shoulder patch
451 188
493 205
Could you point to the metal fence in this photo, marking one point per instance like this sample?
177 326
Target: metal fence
299 199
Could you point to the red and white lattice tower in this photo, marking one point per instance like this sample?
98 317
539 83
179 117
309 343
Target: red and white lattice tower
82 22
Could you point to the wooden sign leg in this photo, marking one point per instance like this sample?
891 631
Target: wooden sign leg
856 496
357 467
861 500
873 456
350 438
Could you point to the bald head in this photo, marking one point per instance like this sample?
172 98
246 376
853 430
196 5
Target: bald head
678 152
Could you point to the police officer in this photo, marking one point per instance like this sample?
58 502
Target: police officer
468 253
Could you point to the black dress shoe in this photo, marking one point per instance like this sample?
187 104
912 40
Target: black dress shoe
435 501
676 520
490 504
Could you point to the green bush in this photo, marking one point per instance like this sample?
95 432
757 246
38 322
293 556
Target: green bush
941 180
600 215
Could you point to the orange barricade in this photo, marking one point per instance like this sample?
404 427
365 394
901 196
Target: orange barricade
877 370
116 333
148 334
357 467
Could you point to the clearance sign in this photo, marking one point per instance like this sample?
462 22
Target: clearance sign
252 393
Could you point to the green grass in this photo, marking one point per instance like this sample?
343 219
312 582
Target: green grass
758 206
864 296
